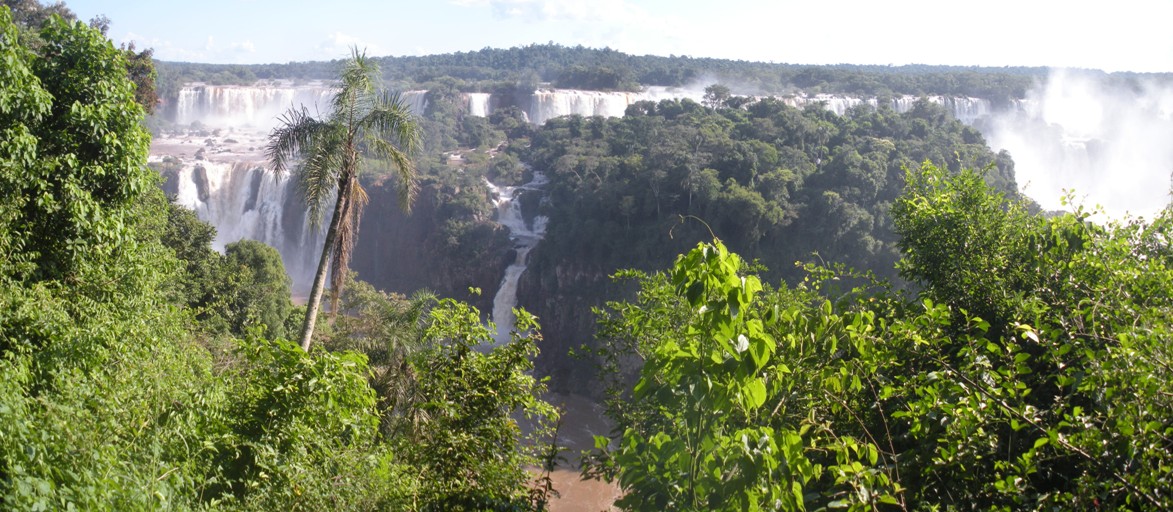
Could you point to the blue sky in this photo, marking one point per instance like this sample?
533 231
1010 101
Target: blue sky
1121 35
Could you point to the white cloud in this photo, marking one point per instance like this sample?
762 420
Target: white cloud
140 41
166 50
559 10
245 46
339 45
209 51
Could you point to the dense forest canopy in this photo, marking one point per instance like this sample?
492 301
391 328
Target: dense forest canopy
775 182
981 355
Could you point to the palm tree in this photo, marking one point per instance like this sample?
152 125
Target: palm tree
329 153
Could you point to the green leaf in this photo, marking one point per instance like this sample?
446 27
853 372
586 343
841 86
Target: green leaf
796 491
759 353
755 394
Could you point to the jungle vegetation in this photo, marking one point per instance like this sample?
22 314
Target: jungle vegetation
984 355
144 371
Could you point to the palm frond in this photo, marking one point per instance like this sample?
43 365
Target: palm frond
317 177
356 94
390 119
392 133
296 130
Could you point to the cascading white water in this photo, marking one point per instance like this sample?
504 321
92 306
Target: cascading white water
256 105
547 104
245 201
416 101
965 109
478 104
259 106
525 236
835 103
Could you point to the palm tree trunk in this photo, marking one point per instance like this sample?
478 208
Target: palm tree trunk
315 300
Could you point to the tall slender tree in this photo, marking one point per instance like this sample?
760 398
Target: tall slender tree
328 154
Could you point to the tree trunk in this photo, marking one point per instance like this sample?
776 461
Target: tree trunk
315 300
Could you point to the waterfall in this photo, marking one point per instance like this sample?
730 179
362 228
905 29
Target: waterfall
416 101
547 104
255 105
1084 132
478 104
838 104
245 201
525 236
259 106
965 109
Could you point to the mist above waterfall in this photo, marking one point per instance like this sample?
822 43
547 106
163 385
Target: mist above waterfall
1107 140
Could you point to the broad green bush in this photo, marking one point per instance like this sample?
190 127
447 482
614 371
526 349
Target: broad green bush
1028 371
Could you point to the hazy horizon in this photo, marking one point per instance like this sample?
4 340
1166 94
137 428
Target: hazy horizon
1120 36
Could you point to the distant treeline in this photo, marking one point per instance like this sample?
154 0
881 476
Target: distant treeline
606 69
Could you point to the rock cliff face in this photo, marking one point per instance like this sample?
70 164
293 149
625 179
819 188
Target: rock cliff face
403 253
562 297
396 252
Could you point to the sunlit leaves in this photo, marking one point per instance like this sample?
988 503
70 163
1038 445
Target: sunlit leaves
713 426
1029 373
72 150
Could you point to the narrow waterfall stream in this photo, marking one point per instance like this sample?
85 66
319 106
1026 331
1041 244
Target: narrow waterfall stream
525 236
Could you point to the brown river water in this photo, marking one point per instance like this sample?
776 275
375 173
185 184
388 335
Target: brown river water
582 419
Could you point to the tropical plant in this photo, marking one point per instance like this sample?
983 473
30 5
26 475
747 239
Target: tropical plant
389 329
462 428
113 398
363 121
254 288
741 402
1028 373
